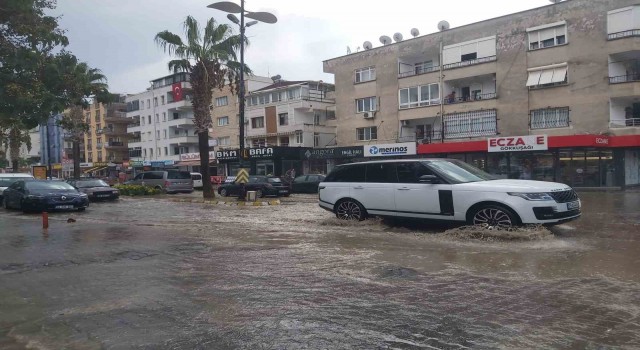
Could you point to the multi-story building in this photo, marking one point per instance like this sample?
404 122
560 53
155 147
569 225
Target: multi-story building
548 94
106 143
282 121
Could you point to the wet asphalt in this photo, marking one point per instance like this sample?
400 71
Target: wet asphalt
154 274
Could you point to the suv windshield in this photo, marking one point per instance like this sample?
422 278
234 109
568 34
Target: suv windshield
91 183
456 171
7 181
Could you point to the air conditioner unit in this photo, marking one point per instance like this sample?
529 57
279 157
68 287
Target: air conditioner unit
405 122
369 115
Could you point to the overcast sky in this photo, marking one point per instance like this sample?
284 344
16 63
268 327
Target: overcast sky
116 36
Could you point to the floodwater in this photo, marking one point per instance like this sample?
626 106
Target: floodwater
153 274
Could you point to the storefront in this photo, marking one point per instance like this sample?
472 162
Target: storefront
278 161
323 160
191 162
390 150
577 160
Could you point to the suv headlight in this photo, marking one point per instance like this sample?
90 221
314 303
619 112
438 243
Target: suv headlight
538 196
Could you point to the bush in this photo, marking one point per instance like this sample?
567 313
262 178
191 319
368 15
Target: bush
136 190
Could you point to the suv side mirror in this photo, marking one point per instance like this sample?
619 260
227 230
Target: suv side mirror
430 179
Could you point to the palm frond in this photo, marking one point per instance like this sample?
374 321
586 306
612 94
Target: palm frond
192 29
182 65
169 42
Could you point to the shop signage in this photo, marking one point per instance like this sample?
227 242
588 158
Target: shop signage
40 172
392 149
259 153
227 155
161 163
336 152
56 166
136 163
518 143
99 164
86 165
196 156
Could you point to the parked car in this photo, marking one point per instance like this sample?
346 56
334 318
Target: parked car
443 189
197 180
43 195
96 189
6 179
306 183
263 185
169 181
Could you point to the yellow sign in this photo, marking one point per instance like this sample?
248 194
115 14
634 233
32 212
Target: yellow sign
243 176
56 166
40 172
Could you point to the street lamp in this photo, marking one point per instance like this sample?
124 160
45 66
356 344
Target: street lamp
266 17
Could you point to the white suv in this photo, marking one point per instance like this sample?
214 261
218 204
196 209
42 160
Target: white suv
443 189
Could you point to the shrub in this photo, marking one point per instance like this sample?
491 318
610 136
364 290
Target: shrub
136 190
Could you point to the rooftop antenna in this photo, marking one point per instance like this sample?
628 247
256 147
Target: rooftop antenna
348 50
415 32
443 25
367 45
397 37
385 40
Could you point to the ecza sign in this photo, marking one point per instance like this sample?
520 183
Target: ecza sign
518 143
393 149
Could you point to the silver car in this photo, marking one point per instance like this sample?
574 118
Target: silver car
169 181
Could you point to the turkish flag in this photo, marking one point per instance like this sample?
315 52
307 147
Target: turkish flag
177 92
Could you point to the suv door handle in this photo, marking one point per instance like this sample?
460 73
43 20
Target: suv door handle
358 188
404 189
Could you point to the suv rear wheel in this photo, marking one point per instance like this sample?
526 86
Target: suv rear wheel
349 209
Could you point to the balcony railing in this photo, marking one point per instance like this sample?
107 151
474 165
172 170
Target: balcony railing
623 34
629 122
549 118
472 98
425 138
135 153
469 62
418 70
624 78
114 144
470 124
99 145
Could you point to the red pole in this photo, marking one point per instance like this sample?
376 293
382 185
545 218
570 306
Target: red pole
45 219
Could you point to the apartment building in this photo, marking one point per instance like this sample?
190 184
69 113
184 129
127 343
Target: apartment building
548 94
106 143
283 120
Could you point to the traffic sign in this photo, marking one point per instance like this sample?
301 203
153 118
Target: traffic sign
243 176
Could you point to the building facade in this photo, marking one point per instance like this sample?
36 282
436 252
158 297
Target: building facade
106 143
457 92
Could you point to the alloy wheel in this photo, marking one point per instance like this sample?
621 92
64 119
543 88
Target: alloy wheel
492 218
349 210
223 192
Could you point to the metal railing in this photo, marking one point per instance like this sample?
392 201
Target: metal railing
623 34
624 78
135 153
469 62
99 145
470 124
115 144
629 122
549 118
418 70
471 98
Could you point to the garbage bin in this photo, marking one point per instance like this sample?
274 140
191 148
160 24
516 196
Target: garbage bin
251 196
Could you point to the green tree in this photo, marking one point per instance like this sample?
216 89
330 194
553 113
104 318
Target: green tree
209 57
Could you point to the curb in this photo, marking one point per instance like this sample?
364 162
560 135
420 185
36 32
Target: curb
229 203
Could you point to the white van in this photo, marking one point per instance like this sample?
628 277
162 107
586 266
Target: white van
6 179
197 180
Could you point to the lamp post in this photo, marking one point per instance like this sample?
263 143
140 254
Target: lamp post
266 17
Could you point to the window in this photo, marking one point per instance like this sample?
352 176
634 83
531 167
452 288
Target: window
148 103
299 137
164 116
149 120
144 152
253 100
366 134
347 173
411 172
263 99
222 121
284 141
424 67
155 102
623 22
166 151
159 153
162 99
157 118
419 96
157 134
150 152
176 116
367 104
470 52
164 133
316 139
293 94
547 76
283 119
550 118
381 173
547 35
224 141
222 101
257 123
365 74
142 120
258 143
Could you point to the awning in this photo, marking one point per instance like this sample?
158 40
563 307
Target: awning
193 163
555 73
97 168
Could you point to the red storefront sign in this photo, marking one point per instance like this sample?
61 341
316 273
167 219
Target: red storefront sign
517 143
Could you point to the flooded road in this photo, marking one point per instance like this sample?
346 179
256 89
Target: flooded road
153 274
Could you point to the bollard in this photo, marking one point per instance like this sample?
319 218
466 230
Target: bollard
45 219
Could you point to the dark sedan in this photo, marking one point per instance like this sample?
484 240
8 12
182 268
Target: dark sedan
306 183
43 195
262 184
96 189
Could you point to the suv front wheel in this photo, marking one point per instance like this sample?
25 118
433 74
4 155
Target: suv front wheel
349 209
493 216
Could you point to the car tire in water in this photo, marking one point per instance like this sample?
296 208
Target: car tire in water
349 209
223 192
493 216
259 194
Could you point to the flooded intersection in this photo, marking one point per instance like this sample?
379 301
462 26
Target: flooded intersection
154 274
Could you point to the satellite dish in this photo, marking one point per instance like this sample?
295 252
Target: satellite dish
276 78
397 37
385 40
443 25
367 45
415 32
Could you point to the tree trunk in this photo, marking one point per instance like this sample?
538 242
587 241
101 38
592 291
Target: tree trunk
76 158
203 147
14 146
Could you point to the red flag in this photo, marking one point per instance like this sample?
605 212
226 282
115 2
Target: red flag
177 92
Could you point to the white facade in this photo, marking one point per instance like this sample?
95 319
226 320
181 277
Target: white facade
162 129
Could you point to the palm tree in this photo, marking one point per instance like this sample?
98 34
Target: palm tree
209 56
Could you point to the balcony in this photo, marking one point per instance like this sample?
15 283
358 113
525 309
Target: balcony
117 117
470 124
418 64
623 34
469 62
471 98
135 153
624 67
549 118
99 145
624 112
114 132
183 104
115 145
181 139
182 121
